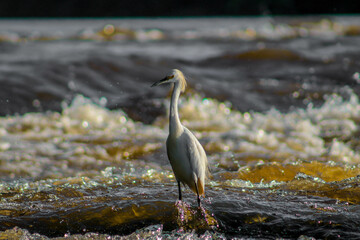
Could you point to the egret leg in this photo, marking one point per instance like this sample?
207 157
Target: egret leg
180 198
197 193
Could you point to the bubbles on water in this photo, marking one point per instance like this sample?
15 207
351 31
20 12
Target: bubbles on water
302 133
4 146
356 77
36 103
84 110
103 101
109 29
122 119
85 124
72 85
343 152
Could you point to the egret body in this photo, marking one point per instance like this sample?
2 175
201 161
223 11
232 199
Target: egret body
186 155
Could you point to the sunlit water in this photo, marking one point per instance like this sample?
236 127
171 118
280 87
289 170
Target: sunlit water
274 103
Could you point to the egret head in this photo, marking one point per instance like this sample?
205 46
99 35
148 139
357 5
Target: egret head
174 77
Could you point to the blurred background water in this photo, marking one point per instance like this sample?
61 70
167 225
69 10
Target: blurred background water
274 101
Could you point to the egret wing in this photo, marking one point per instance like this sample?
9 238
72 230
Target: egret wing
198 160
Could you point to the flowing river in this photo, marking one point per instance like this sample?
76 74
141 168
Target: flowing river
274 102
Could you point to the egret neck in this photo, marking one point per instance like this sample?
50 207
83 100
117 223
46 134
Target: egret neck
175 126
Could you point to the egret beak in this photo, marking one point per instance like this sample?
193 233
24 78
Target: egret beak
160 82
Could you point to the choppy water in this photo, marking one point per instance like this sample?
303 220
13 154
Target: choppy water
273 101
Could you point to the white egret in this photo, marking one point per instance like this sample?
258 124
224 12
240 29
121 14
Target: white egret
186 155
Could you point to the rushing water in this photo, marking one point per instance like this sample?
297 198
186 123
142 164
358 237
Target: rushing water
274 102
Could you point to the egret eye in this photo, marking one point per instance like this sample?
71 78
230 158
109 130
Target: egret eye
169 77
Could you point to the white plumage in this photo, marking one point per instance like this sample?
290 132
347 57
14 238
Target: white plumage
187 157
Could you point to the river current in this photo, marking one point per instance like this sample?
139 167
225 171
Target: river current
274 102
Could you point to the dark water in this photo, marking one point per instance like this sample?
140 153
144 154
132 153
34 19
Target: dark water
274 102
